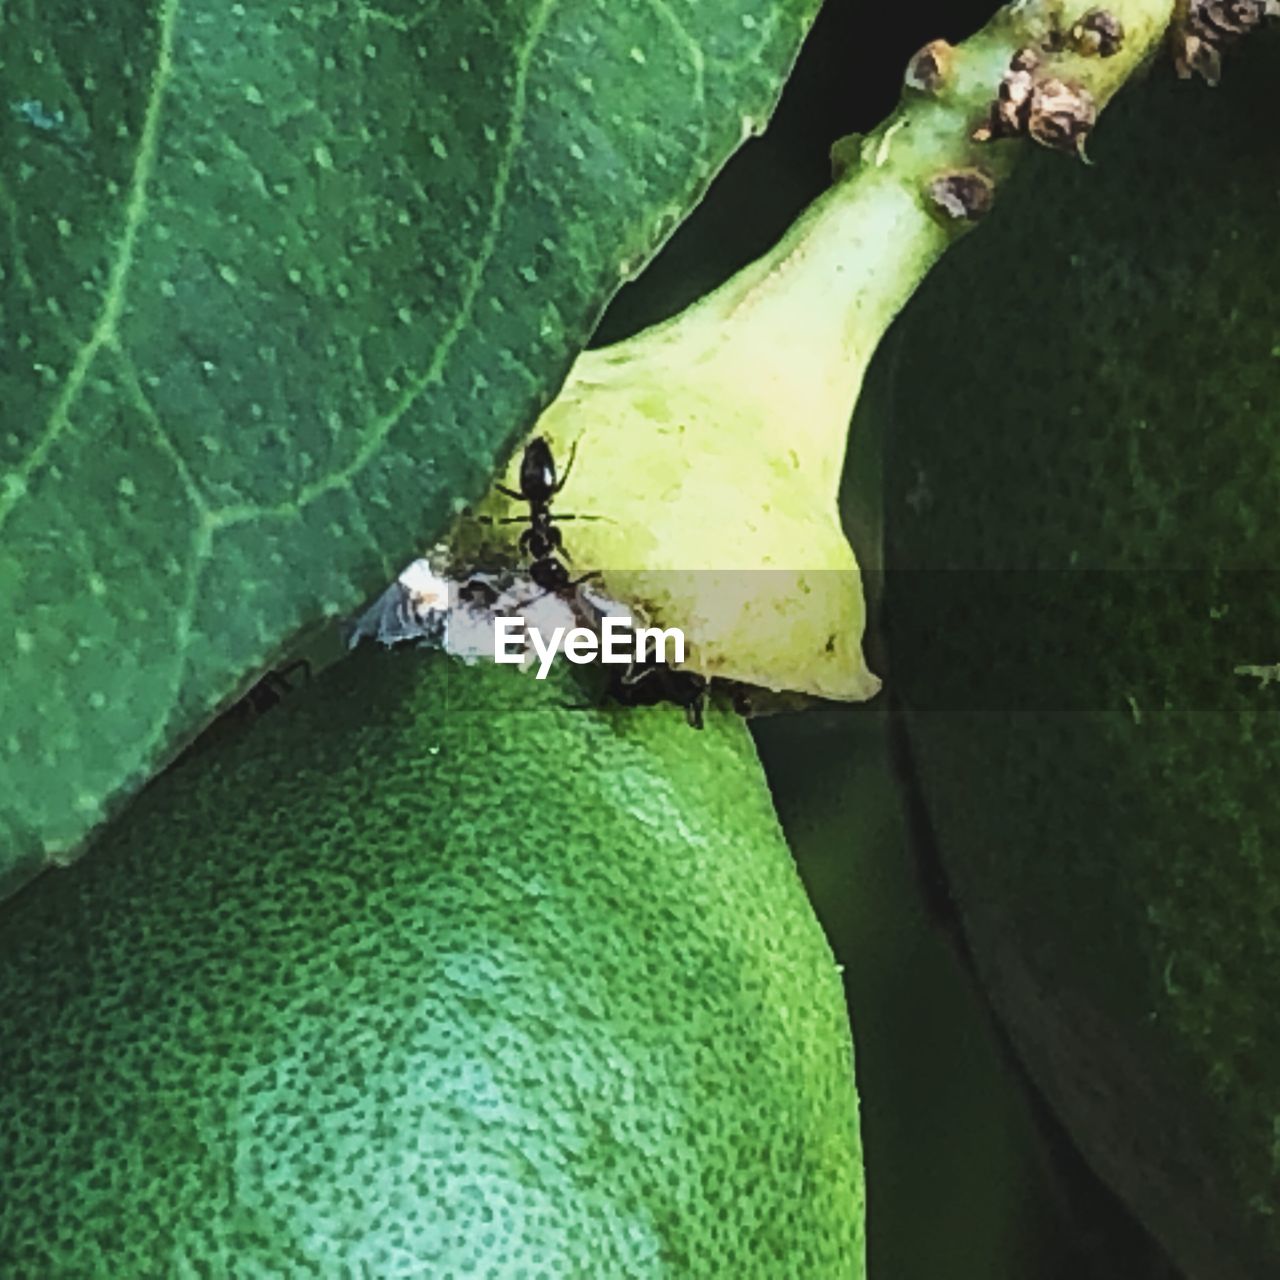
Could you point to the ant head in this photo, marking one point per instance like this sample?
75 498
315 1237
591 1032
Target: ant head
537 471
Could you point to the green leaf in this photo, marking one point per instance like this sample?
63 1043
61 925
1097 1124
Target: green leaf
278 285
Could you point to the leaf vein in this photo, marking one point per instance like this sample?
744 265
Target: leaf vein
133 384
113 298
383 426
664 10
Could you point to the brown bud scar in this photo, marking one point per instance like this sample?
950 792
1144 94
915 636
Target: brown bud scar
1050 111
1193 57
1007 117
962 195
1061 115
1204 29
930 68
1099 33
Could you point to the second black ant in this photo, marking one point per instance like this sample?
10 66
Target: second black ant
649 681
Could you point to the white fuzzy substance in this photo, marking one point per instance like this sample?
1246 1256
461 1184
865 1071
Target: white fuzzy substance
414 607
458 615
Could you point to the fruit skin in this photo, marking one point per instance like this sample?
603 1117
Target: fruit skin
429 974
1100 411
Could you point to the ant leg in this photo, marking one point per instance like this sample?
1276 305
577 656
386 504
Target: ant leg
507 519
511 493
556 540
693 710
563 587
274 687
636 673
276 683
568 466
301 664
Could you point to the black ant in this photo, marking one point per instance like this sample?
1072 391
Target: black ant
274 687
645 682
267 693
542 541
648 681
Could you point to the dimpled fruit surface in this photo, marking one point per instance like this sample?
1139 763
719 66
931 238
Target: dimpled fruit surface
1083 512
432 973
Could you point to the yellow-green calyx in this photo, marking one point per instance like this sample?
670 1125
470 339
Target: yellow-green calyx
708 450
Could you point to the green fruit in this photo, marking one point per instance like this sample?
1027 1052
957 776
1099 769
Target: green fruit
1083 511
431 973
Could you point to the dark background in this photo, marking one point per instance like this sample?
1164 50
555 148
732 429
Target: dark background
968 1176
